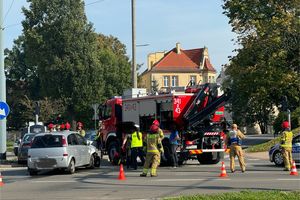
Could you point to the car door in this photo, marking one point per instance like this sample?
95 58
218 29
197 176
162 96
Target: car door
73 148
83 150
296 148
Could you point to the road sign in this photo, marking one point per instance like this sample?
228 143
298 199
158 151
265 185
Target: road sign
4 110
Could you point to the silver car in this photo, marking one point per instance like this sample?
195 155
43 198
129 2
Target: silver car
61 150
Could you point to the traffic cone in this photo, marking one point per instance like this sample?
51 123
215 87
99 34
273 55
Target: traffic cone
223 171
294 170
1 183
121 174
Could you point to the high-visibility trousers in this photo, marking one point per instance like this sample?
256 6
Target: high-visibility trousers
287 157
152 159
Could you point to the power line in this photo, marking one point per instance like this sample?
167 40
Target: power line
11 4
11 25
94 2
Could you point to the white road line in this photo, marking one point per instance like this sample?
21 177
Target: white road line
287 179
191 179
53 181
252 159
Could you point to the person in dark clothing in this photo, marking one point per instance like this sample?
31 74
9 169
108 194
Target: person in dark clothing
174 137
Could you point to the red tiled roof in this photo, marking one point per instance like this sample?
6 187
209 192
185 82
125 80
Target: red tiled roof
186 61
208 65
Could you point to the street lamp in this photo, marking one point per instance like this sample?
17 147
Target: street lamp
133 71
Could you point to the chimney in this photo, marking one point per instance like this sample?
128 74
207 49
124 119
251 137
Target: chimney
178 48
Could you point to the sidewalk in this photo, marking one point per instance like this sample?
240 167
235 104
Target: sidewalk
11 161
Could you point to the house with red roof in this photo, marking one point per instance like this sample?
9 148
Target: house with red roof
176 68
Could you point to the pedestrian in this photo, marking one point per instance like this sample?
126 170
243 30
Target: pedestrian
234 141
98 138
153 148
174 138
80 129
126 149
286 145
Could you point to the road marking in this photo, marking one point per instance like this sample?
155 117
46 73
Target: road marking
252 159
191 179
287 179
54 181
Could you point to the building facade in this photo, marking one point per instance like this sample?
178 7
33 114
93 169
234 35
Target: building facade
175 69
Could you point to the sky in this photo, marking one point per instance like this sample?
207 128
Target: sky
159 23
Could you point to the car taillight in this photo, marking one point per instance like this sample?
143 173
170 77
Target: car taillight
65 154
64 141
189 142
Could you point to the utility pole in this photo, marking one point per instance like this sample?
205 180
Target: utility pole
133 71
2 88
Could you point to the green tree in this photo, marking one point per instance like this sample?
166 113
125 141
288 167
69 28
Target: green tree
63 47
116 67
266 65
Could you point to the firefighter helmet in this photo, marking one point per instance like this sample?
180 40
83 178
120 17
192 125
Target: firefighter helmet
154 128
156 122
50 126
67 126
62 127
79 124
285 124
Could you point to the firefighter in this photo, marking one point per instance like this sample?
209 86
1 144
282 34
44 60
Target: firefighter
80 129
98 137
62 127
154 148
50 127
67 126
160 132
286 145
234 141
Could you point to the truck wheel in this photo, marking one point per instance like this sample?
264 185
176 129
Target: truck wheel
112 152
207 158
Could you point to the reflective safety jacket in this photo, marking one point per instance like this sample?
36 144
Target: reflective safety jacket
154 144
286 139
235 137
135 141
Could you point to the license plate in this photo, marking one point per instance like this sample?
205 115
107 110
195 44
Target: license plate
191 147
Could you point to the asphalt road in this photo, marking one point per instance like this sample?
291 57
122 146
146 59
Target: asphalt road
103 183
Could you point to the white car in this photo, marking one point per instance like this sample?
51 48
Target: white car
61 150
275 154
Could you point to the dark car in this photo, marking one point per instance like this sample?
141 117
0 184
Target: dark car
24 146
275 154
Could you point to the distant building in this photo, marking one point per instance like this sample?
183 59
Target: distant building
173 70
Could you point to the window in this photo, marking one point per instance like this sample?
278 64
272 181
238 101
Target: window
193 80
174 81
80 139
47 141
72 140
166 81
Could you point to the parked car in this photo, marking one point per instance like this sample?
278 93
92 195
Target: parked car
24 146
61 150
16 146
275 154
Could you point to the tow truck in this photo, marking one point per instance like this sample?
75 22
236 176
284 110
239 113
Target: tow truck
198 113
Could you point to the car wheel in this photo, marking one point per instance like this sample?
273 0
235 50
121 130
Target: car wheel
32 172
97 160
278 158
71 167
92 162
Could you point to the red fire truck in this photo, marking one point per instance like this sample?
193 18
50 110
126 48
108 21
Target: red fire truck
198 113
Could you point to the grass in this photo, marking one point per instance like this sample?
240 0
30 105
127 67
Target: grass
10 146
267 145
244 195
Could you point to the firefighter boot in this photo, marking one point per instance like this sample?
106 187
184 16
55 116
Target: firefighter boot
153 172
145 172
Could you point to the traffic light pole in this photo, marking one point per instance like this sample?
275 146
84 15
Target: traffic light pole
2 88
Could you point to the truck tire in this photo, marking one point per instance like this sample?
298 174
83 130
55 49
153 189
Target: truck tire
207 158
112 151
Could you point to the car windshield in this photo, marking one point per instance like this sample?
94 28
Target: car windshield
47 141
28 137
